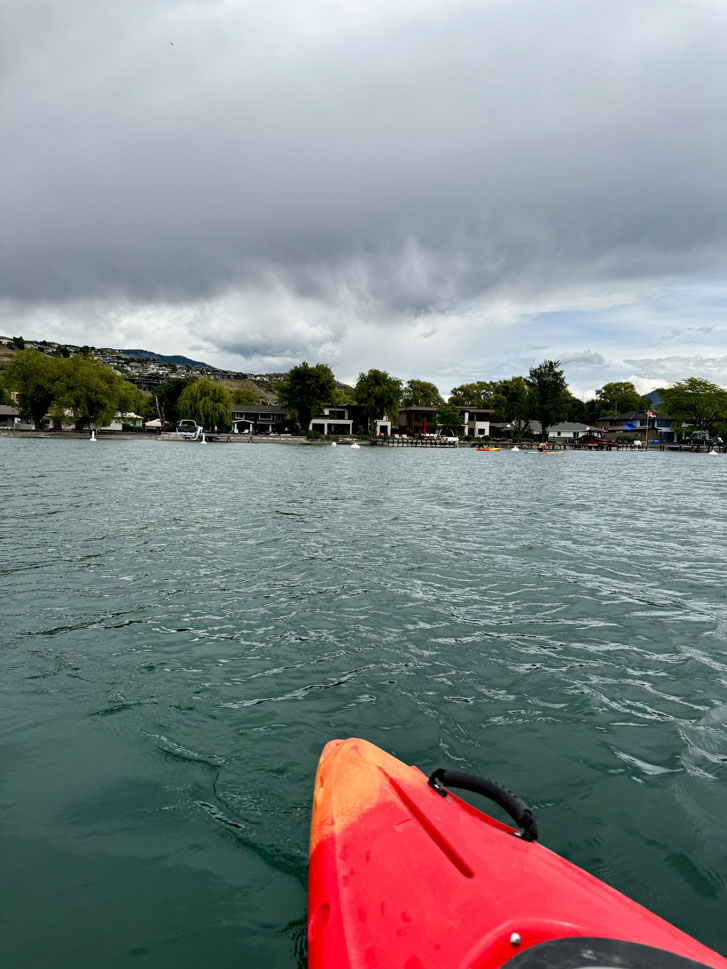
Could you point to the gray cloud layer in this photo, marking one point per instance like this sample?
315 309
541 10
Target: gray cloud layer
415 160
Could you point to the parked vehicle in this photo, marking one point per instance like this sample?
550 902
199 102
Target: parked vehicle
187 427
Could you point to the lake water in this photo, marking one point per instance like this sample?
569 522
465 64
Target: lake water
184 627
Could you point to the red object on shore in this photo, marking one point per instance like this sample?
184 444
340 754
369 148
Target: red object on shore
405 878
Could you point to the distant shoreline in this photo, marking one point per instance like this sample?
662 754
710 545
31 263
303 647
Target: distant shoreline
111 436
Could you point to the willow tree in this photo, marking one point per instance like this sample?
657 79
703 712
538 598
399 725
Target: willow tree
166 398
36 378
92 393
207 402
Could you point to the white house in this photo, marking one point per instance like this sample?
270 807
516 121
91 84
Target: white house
333 420
117 424
567 431
341 420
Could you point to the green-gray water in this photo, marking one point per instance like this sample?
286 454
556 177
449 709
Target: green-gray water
184 627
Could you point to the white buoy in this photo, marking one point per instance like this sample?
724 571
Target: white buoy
93 436
204 439
516 448
333 444
354 445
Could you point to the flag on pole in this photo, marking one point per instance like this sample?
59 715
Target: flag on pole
650 413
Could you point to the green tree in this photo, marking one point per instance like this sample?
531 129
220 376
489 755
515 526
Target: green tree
35 376
166 399
18 343
379 394
480 394
4 393
548 394
449 416
306 391
420 393
206 401
511 401
576 409
619 397
132 400
697 402
91 392
593 410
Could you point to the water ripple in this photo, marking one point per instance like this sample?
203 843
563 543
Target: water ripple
184 628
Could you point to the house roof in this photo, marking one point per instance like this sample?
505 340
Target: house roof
258 409
460 407
634 415
537 427
6 411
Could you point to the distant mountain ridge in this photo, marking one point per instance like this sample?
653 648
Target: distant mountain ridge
179 360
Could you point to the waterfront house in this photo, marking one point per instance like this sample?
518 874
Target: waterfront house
9 416
567 431
423 420
661 427
120 421
260 419
347 420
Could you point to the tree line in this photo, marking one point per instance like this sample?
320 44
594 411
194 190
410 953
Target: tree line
75 389
542 396
82 389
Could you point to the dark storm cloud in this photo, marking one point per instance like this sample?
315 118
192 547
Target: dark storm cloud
404 161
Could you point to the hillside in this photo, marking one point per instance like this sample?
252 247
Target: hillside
260 387
137 363
180 361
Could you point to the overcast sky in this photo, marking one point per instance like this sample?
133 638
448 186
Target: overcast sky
444 189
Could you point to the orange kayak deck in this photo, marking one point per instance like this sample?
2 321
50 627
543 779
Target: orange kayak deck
402 877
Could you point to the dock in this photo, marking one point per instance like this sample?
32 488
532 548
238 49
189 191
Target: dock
401 440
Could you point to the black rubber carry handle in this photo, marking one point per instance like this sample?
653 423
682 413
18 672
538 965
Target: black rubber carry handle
517 809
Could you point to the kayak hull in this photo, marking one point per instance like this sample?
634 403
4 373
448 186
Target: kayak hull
402 877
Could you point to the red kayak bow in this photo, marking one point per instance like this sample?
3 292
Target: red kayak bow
404 874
